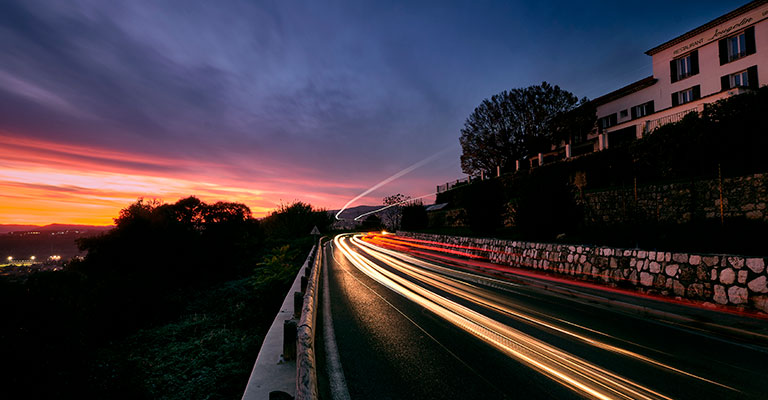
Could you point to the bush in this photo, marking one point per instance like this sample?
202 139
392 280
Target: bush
414 216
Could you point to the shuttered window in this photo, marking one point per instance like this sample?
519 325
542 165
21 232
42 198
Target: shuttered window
686 96
745 78
642 110
683 67
737 46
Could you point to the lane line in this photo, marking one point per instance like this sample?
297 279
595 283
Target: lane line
424 331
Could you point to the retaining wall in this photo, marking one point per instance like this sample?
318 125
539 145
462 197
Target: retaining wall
713 278
743 197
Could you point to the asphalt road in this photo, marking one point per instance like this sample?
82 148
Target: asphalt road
406 328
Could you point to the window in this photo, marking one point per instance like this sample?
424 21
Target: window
642 110
686 96
607 121
683 67
745 78
739 79
623 113
737 46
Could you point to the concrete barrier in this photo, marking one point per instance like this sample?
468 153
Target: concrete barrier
274 376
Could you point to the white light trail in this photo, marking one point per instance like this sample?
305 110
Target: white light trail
572 372
392 205
393 177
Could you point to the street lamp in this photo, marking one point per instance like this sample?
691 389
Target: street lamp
10 258
32 258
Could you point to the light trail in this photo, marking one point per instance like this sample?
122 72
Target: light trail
392 205
393 177
433 275
529 270
568 370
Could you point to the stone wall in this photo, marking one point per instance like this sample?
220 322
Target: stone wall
743 197
712 278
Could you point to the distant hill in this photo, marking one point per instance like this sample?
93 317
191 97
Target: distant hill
6 228
351 213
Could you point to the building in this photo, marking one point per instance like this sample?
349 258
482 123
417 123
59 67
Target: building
719 59
722 58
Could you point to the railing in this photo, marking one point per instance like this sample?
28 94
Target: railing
458 182
652 125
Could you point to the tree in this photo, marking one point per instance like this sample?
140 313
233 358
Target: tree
415 216
372 223
392 216
512 125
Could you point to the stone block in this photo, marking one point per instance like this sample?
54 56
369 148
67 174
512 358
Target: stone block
710 261
633 278
678 288
736 262
612 262
754 215
737 295
667 257
695 291
646 279
758 285
671 269
727 276
680 258
719 296
654 267
641 254
757 265
760 303
742 276
651 255
701 273
694 259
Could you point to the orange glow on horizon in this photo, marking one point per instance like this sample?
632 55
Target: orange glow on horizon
48 182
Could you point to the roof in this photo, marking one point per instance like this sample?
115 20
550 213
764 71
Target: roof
711 24
631 88
435 207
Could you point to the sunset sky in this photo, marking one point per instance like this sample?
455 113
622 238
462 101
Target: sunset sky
263 102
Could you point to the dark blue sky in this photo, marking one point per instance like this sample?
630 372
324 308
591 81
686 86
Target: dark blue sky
270 95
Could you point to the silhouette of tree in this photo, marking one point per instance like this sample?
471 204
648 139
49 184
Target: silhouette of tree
512 125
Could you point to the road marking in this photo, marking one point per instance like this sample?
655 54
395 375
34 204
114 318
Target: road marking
337 382
427 334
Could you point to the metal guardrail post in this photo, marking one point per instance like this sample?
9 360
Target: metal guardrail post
298 302
289 339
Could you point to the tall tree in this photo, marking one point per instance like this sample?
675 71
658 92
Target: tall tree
512 125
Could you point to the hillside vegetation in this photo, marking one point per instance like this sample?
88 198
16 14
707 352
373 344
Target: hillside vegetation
171 303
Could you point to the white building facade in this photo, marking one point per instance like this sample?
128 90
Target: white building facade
722 58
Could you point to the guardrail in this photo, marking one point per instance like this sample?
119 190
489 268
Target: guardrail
285 367
306 367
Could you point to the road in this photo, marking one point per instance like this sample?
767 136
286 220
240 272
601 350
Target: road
408 327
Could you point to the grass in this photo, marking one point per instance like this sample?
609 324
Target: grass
208 353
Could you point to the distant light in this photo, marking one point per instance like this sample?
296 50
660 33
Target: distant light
383 232
10 258
32 258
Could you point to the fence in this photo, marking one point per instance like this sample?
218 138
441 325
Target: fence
652 125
